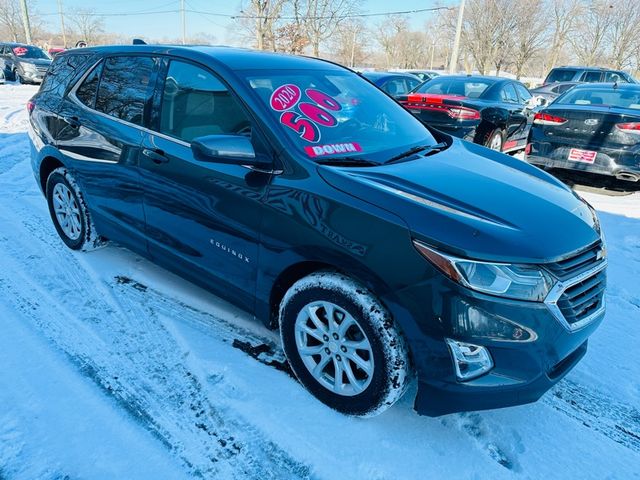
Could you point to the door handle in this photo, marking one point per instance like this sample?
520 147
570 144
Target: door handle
73 122
156 156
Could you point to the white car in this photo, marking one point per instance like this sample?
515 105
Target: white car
1 77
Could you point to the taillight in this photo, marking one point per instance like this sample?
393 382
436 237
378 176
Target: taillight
527 149
546 119
30 106
463 113
630 127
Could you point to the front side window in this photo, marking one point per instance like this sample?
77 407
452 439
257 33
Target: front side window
523 93
195 104
508 94
395 86
124 87
336 112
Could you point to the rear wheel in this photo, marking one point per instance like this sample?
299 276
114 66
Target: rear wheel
342 344
69 212
495 141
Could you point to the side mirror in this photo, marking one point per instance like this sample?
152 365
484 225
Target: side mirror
234 149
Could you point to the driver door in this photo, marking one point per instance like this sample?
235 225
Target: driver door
202 217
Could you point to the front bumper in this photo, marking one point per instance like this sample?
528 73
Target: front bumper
608 161
34 76
531 349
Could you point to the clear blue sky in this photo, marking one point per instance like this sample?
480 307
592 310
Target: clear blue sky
159 25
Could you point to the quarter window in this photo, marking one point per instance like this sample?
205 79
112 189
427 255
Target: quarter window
86 92
523 93
124 87
195 104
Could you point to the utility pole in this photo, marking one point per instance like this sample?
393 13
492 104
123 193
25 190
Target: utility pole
64 33
25 20
433 49
453 64
184 23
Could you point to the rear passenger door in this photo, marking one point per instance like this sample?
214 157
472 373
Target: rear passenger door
102 120
592 76
202 217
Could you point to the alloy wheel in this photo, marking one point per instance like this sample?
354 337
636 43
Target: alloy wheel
334 348
67 211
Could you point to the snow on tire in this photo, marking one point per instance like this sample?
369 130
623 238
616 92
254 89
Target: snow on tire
343 345
69 212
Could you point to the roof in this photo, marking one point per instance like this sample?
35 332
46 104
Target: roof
233 57
373 75
603 86
475 77
582 67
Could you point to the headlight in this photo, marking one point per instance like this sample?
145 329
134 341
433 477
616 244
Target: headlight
521 282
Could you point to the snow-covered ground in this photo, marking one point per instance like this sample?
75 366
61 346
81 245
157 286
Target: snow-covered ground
111 367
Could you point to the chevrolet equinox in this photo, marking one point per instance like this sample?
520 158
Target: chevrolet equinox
381 249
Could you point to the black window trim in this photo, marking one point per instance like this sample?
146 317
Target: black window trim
71 94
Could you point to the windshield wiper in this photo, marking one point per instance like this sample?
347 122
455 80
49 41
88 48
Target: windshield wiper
346 162
427 149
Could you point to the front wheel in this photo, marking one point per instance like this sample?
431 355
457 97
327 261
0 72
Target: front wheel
343 345
69 212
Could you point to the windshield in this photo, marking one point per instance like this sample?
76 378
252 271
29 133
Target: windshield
337 113
607 97
560 75
471 87
30 52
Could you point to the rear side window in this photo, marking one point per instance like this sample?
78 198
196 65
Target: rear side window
591 77
613 77
396 86
86 92
195 103
560 75
62 70
124 87
564 88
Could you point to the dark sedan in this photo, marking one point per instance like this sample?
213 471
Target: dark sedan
594 128
494 112
393 83
25 63
552 91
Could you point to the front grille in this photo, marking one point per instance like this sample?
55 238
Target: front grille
584 298
572 266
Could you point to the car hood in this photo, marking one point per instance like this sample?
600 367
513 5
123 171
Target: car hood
477 203
40 62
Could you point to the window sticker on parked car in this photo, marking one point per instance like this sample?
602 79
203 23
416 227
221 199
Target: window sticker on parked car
308 117
332 149
19 51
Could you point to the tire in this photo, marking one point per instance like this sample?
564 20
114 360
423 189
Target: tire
361 327
65 200
495 140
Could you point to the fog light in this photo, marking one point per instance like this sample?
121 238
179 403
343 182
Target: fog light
470 361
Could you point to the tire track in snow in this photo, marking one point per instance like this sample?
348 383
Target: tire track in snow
128 352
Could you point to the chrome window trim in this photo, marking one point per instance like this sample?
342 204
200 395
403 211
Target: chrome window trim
72 96
551 301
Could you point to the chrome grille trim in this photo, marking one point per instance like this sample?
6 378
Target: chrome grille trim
562 286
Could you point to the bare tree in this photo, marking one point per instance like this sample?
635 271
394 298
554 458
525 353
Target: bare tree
87 25
389 29
624 33
323 17
11 19
592 28
291 37
530 33
563 15
259 18
350 43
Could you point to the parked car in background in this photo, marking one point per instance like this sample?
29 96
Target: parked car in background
394 83
1 77
551 91
424 75
492 111
593 128
377 246
53 51
25 63
587 75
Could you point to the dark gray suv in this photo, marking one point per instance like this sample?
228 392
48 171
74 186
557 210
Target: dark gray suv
588 75
25 63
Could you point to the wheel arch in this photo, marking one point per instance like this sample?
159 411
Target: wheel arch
49 164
